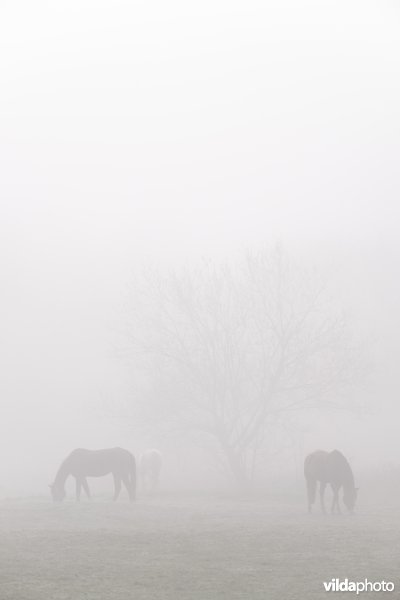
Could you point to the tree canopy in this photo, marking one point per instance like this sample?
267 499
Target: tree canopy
225 348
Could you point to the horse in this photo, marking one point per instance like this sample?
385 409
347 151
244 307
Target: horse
333 468
150 468
82 463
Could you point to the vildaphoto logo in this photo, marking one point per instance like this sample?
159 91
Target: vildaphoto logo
344 585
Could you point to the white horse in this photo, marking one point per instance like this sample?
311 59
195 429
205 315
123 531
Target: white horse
150 464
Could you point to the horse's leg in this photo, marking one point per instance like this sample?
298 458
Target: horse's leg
128 485
86 487
117 485
78 489
155 481
311 490
322 487
338 502
335 501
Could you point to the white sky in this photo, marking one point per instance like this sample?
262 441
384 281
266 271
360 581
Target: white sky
162 130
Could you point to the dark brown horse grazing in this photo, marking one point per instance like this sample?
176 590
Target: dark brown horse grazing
83 463
333 468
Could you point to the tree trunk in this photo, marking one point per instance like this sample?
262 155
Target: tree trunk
237 467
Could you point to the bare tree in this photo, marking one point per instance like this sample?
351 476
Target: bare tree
225 349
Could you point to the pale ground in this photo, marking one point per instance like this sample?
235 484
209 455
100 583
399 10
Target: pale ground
168 547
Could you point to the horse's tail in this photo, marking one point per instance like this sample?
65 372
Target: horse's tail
132 476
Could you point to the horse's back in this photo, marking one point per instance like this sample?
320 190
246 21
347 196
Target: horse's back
100 462
329 467
337 458
315 465
151 459
339 468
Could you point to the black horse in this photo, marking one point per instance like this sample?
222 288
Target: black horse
333 468
83 463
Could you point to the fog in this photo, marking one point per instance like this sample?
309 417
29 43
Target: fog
199 255
137 134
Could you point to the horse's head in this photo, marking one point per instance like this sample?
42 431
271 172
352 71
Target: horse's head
349 498
57 493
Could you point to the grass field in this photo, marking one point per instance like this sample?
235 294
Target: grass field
169 547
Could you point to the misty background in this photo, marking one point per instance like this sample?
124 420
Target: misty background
161 133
